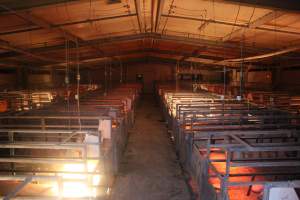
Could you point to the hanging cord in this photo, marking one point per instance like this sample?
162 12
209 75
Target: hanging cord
250 19
105 78
90 78
176 74
224 82
214 17
145 16
121 71
235 21
67 78
242 66
169 13
78 84
110 74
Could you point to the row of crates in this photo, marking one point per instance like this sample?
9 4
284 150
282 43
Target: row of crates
233 149
22 100
274 99
67 150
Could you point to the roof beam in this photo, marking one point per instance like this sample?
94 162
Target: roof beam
18 5
102 41
159 11
6 45
152 14
195 53
209 61
61 25
202 43
46 25
190 57
97 58
289 5
232 24
254 24
136 51
266 18
138 14
264 56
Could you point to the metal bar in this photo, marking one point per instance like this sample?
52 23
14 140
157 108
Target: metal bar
288 5
41 146
48 131
294 184
18 188
266 174
264 56
223 132
159 11
152 15
267 148
43 160
220 127
55 117
243 142
23 177
267 164
47 172
262 147
138 14
225 179
46 198
52 126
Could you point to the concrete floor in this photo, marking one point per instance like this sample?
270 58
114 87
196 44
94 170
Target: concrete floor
150 170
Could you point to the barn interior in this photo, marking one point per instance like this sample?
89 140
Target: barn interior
150 99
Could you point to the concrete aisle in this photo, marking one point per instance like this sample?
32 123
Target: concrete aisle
150 170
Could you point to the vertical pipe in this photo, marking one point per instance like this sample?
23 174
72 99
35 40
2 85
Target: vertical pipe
121 72
266 194
224 186
241 80
78 84
176 76
242 69
110 74
12 151
138 14
152 15
105 78
224 93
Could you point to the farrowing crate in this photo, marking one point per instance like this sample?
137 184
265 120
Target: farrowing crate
59 144
229 147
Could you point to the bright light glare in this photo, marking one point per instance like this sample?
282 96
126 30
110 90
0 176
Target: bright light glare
79 187
75 189
73 168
